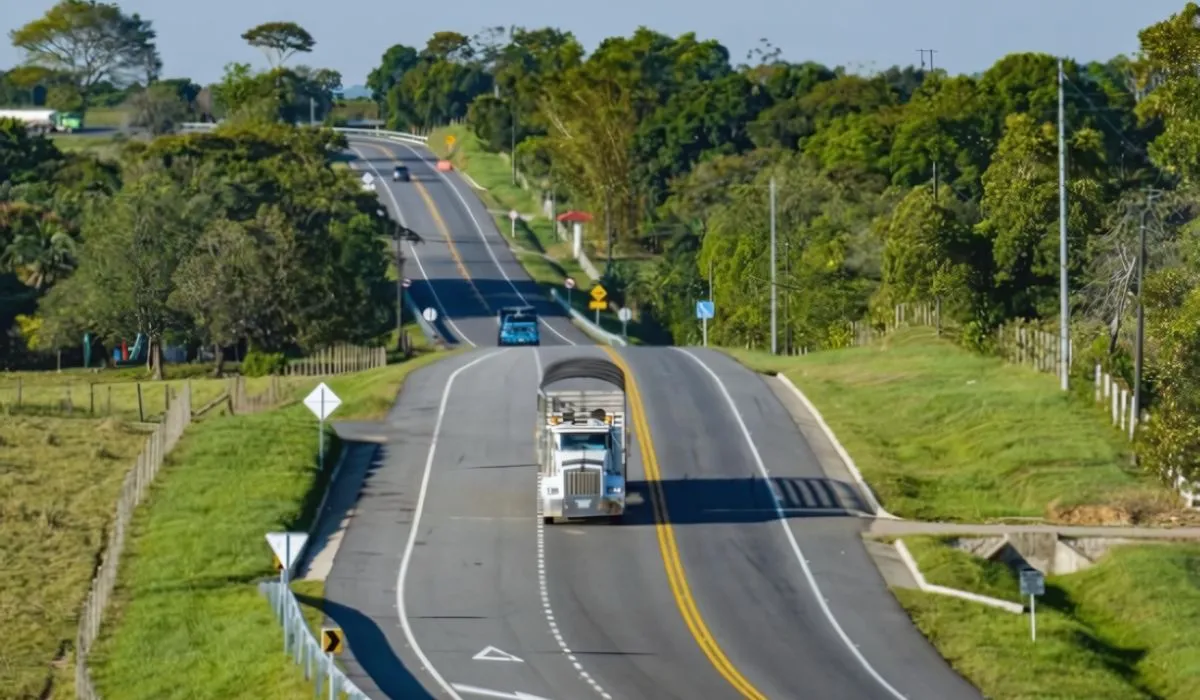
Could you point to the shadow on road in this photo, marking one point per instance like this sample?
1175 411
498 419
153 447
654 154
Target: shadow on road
372 652
709 501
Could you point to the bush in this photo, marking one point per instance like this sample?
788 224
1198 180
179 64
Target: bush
260 364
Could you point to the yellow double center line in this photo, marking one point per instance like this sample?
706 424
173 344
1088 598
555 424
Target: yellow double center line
676 577
440 223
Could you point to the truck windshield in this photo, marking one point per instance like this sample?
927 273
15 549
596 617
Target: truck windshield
583 441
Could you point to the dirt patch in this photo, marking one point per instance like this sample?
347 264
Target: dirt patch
1161 511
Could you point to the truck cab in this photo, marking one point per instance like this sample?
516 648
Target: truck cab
518 326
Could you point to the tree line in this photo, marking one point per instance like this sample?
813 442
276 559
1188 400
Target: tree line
909 184
244 236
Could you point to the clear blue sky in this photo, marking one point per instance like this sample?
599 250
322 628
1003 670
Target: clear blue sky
197 38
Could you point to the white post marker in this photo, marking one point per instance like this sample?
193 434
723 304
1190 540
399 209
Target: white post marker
569 283
429 314
406 283
322 402
512 219
1033 584
625 314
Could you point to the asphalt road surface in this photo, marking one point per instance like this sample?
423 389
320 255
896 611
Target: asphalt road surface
737 571
463 268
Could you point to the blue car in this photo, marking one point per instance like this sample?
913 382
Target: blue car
518 326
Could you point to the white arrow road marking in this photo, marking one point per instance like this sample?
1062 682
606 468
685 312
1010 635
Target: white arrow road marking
491 653
518 695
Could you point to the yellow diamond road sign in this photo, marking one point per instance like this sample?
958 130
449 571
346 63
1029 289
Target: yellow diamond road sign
598 293
450 140
597 305
331 640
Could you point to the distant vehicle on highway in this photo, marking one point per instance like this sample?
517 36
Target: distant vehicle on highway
518 326
400 174
44 120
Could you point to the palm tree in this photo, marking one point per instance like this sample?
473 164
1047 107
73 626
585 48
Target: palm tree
41 251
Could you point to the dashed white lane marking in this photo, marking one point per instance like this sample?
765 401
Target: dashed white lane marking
547 610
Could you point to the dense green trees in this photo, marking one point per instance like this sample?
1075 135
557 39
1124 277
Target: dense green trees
899 186
247 234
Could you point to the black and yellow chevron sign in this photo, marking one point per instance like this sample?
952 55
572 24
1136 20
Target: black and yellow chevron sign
331 640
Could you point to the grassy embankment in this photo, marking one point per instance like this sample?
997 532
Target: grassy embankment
1124 628
941 433
944 434
187 605
59 476
545 256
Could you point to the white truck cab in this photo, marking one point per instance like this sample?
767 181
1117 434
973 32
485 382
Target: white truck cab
582 443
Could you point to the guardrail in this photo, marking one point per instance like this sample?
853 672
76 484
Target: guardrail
299 643
401 135
592 328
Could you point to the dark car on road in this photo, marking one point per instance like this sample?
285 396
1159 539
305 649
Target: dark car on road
400 173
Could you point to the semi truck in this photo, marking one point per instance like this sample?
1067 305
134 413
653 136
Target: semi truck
44 120
582 442
518 326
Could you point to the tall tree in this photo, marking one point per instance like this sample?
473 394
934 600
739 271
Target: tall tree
90 42
279 41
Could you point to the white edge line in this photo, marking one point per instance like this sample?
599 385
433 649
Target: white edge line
416 525
783 522
400 214
873 502
488 246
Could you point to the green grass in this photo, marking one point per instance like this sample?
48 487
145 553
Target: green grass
1125 628
59 479
105 117
941 433
545 256
187 604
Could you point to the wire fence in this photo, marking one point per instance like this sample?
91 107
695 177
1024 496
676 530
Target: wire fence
133 490
137 482
300 644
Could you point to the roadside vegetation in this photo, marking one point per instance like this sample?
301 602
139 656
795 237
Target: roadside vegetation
187 604
1124 628
546 256
941 433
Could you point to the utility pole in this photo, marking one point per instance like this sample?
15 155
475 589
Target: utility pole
312 111
1064 311
774 339
1139 349
512 137
608 231
787 298
931 52
710 298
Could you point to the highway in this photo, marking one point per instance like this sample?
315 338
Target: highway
738 571
464 269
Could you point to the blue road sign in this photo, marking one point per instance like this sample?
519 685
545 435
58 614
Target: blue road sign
704 309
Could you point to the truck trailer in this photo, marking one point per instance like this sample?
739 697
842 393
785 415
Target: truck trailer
582 442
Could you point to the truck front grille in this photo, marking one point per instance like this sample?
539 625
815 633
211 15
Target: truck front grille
583 483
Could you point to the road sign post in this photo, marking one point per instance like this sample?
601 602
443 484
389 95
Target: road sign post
1033 584
598 294
322 402
569 283
512 219
625 314
704 311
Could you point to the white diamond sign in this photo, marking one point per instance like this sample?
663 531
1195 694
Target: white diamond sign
322 401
